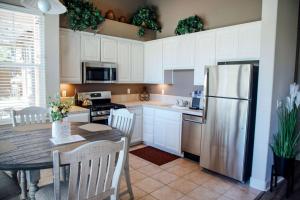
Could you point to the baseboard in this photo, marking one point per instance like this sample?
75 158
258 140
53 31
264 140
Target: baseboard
262 185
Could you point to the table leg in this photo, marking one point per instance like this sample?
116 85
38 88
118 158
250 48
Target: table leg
23 185
33 177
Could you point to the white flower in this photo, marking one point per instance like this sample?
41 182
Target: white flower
297 101
289 104
279 104
293 91
54 108
63 111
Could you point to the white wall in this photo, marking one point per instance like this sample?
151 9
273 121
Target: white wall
277 65
52 54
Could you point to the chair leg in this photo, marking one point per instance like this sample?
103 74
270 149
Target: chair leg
127 177
23 185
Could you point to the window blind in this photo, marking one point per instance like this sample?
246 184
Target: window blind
22 66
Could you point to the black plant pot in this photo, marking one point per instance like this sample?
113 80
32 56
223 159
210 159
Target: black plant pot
283 166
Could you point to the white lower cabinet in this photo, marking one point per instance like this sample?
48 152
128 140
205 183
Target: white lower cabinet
162 129
148 125
78 117
167 131
137 135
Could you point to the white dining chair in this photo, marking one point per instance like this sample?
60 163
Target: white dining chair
95 172
123 120
29 115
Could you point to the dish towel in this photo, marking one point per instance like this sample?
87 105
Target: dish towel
95 127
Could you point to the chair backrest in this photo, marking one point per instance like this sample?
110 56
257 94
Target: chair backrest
94 172
29 115
123 120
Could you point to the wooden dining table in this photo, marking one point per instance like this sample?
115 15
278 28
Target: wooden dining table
29 151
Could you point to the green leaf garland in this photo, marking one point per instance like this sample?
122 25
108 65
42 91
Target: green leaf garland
189 25
146 17
82 15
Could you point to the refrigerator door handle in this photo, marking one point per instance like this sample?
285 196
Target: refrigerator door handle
205 89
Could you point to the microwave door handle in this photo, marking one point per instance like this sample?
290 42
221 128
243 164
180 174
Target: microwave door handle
205 89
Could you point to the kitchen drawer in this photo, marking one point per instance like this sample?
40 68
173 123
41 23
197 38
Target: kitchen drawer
169 115
137 111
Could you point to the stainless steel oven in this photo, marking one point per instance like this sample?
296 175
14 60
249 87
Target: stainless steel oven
98 72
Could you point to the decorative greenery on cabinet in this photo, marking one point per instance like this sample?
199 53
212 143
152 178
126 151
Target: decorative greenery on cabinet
82 15
189 25
146 17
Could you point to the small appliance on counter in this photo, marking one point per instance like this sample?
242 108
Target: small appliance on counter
99 103
197 100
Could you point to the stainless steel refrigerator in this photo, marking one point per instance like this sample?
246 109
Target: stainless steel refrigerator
229 116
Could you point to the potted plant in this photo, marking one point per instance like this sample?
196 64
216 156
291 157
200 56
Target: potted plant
286 141
58 111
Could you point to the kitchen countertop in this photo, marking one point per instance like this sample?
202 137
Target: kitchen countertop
161 105
78 110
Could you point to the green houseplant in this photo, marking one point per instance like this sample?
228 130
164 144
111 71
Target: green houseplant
82 15
285 142
189 25
146 17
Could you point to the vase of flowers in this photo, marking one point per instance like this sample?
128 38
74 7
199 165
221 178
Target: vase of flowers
58 111
285 142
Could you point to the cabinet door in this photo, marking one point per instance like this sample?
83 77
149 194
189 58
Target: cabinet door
185 52
204 54
173 135
226 43
90 47
137 62
148 125
249 41
137 135
70 68
159 134
167 130
108 49
124 61
153 72
169 52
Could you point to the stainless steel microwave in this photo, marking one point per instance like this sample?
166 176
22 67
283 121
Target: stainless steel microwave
99 72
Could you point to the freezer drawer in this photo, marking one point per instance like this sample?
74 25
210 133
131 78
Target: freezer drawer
231 81
224 136
191 134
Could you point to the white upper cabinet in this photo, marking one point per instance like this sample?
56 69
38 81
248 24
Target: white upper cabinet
90 47
178 52
153 71
169 52
124 61
137 62
240 42
226 43
185 52
70 65
205 54
249 41
109 49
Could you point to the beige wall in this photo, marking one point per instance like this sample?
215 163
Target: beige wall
120 7
216 13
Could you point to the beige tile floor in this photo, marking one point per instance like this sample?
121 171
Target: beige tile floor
181 179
